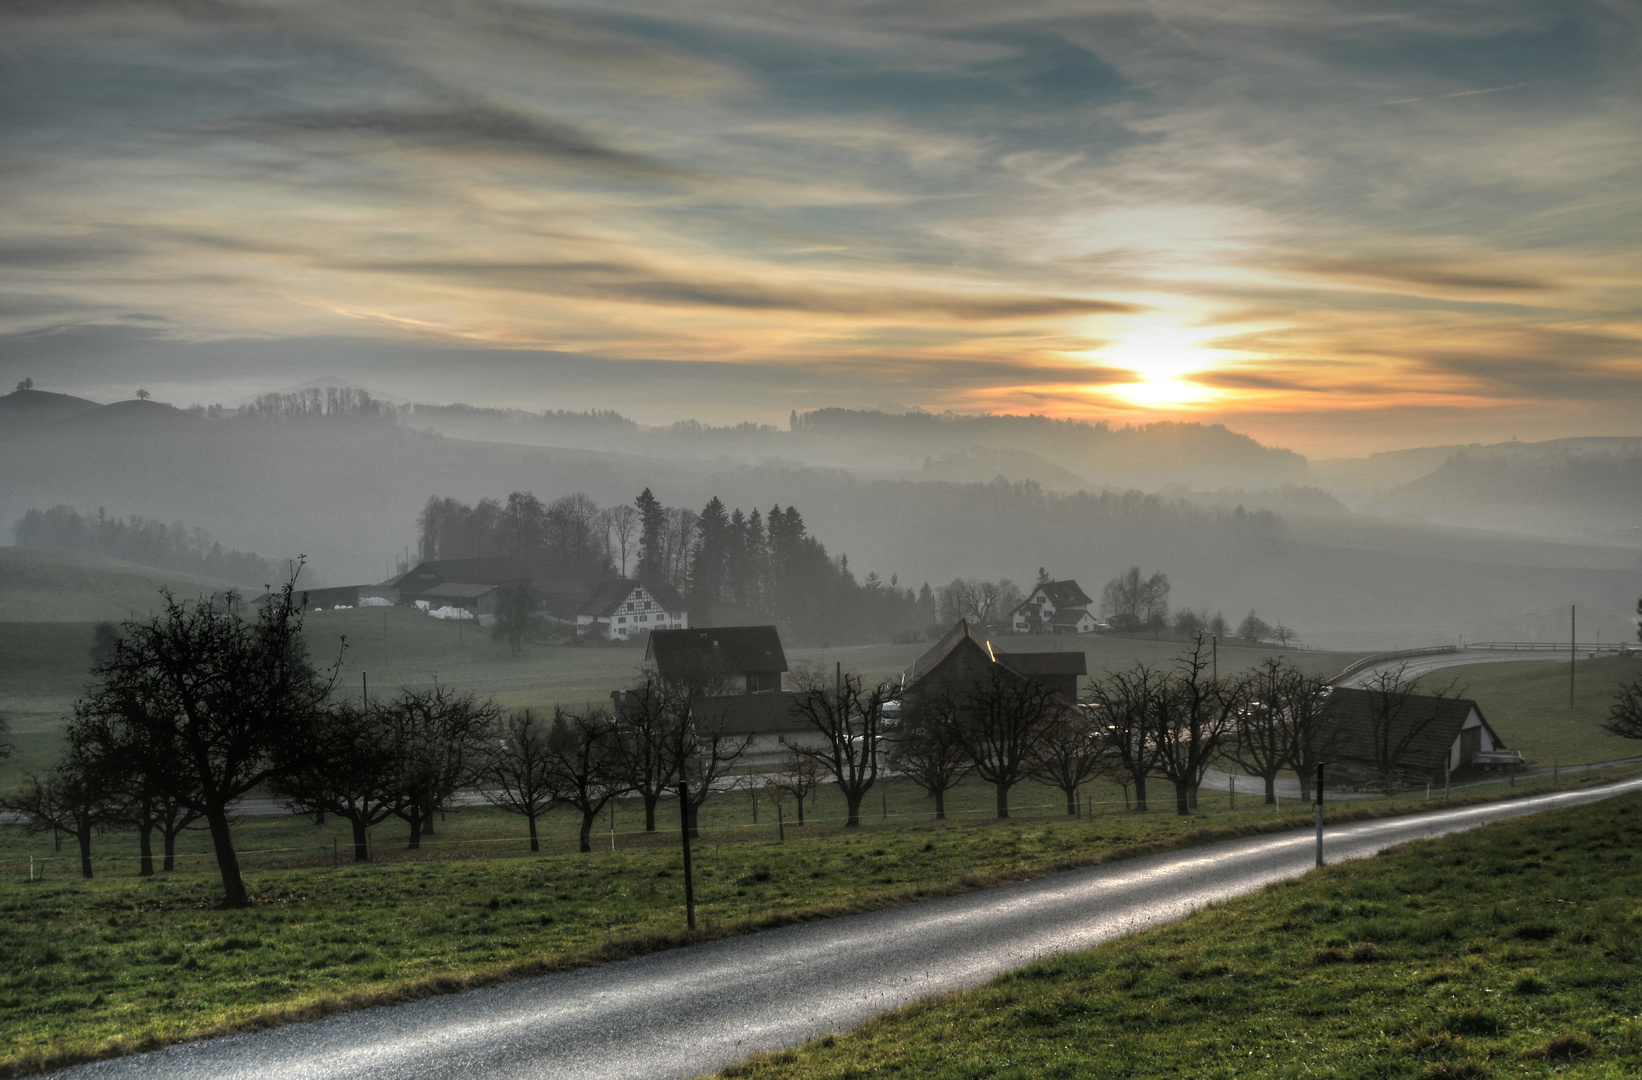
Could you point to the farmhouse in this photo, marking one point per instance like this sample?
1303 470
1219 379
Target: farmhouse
499 571
728 659
620 608
1055 607
1426 735
964 656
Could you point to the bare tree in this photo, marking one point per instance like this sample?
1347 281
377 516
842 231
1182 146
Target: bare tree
1398 716
1194 719
1070 753
797 775
518 775
515 612
620 523
1132 600
1625 714
68 799
646 716
215 706
443 737
925 747
1002 727
143 395
584 764
1263 742
355 769
99 757
1125 705
845 722
703 750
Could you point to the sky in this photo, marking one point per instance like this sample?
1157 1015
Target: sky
1338 226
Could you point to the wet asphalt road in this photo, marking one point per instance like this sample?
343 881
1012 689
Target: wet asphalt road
694 1010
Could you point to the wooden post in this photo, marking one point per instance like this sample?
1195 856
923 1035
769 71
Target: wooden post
1319 813
1231 788
689 879
1573 655
755 806
780 824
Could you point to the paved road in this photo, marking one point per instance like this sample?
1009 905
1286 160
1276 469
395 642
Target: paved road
1418 666
690 1011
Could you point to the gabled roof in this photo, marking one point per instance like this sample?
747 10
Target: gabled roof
1352 712
1069 616
726 650
954 639
491 570
1064 593
459 590
1045 663
608 598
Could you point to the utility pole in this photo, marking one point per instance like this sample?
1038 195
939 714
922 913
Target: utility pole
689 880
1214 651
365 689
1573 650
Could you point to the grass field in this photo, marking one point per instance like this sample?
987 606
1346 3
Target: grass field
119 962
1527 703
45 665
1509 951
60 585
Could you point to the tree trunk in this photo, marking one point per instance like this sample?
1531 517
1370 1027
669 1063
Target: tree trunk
535 845
852 802
427 822
169 837
1140 793
650 801
1271 790
801 809
695 821
1182 798
1003 799
940 804
145 850
1305 784
234 894
1192 796
361 840
416 828
82 833
587 830
1071 801
319 818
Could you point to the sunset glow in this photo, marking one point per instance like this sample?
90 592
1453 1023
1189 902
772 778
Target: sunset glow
1114 211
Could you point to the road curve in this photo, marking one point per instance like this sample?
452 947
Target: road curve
694 1010
1421 666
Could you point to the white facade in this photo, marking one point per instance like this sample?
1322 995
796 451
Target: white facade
638 611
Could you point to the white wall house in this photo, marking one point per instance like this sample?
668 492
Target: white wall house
620 608
1055 607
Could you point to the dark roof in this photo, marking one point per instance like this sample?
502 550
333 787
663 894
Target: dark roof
955 638
1068 616
491 570
1045 663
724 649
611 594
1065 594
1351 718
459 590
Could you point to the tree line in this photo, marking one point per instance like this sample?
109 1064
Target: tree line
146 541
765 563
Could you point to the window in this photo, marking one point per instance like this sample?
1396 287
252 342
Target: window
621 618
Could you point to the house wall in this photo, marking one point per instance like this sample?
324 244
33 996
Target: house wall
1472 721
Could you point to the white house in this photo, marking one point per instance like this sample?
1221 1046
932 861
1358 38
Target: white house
1055 607
621 608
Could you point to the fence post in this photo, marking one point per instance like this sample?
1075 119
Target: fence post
1447 780
1319 813
1231 787
780 824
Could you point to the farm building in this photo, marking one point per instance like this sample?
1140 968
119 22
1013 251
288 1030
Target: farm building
731 659
1055 607
620 608
964 656
1426 736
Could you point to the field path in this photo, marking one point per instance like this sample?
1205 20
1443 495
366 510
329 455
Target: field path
690 1011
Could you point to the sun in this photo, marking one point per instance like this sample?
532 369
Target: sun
1161 357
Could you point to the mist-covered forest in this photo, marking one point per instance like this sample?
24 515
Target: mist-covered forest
1332 549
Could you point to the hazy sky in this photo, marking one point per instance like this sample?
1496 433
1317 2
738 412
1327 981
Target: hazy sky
1338 226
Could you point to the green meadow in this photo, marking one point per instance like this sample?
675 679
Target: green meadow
1511 951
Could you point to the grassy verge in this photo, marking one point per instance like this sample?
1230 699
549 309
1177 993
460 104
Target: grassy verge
1509 951
97 968
1527 703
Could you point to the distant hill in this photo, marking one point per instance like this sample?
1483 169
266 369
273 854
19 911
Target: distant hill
59 585
31 406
